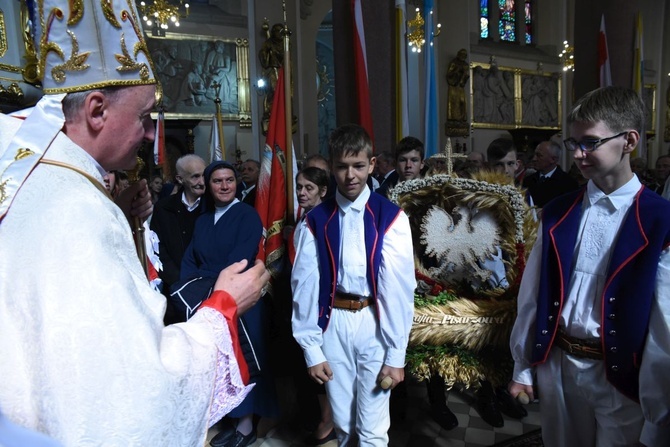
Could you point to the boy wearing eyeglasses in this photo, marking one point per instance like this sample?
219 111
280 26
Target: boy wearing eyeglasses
594 304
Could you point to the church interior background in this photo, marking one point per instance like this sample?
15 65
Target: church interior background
516 79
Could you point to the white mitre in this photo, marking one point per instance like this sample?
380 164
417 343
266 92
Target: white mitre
87 44
81 45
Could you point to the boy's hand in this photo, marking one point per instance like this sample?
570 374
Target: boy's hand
320 373
397 375
515 388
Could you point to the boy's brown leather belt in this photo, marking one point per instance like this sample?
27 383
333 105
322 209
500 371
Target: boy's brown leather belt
351 302
579 347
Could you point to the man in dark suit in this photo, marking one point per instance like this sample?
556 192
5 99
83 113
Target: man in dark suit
174 218
384 166
249 171
549 181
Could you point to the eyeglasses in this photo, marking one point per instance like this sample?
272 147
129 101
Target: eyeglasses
589 145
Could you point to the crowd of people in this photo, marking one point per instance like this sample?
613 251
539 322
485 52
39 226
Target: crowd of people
93 354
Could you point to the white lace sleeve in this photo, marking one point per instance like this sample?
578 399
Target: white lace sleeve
229 390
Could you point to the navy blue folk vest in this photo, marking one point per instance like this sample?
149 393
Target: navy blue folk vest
629 287
324 223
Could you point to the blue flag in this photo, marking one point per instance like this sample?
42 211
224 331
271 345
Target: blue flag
431 137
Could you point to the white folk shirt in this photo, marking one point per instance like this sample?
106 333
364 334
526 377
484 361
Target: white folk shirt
86 358
396 281
601 220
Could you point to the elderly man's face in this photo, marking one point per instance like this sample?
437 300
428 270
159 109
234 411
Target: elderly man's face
475 159
663 168
249 173
543 160
192 178
384 166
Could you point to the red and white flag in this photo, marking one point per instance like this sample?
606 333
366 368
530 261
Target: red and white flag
271 200
361 70
638 82
603 56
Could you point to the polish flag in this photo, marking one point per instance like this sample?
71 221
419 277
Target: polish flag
603 56
361 67
271 196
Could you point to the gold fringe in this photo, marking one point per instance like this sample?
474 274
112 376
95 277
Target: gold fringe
454 371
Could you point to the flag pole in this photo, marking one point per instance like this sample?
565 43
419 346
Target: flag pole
288 120
219 121
138 224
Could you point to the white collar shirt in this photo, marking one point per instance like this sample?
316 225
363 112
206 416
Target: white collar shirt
351 271
189 208
247 191
599 228
548 174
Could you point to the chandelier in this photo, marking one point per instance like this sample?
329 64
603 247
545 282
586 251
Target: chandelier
160 13
416 33
568 57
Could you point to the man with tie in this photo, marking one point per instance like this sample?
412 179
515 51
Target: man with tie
550 181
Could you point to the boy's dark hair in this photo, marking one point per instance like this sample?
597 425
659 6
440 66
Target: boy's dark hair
619 108
499 148
409 144
349 139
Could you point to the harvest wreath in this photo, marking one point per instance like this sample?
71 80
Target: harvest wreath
464 231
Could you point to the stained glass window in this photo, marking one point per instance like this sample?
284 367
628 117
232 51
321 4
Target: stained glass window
529 22
484 19
507 22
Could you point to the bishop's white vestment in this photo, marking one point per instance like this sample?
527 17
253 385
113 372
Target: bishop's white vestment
85 357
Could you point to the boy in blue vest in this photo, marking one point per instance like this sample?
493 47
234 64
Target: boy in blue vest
594 304
353 293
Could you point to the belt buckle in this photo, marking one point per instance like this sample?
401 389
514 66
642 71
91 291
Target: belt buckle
572 347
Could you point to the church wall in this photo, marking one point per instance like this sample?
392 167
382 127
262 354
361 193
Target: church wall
308 110
226 20
554 22
550 19
620 17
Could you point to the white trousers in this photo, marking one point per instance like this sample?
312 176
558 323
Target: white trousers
580 408
353 347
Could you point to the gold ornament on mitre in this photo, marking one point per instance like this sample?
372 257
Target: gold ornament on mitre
88 44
